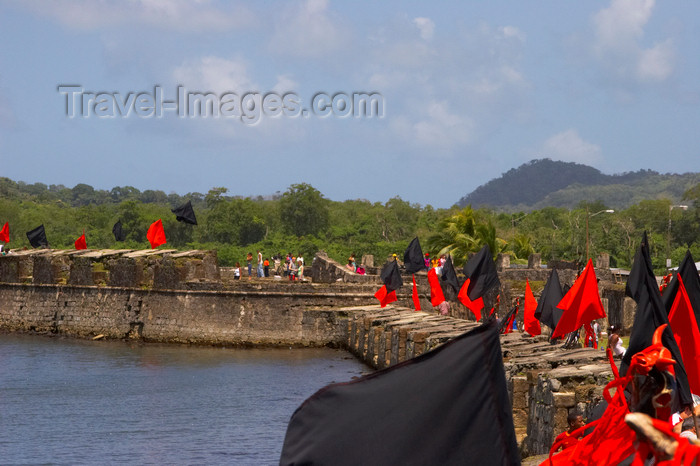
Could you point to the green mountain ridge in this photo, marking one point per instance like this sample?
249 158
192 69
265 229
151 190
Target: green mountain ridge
547 183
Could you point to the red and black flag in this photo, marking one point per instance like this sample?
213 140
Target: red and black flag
5 233
436 294
414 262
481 271
117 231
81 243
457 391
530 323
449 275
391 277
481 275
156 234
37 237
547 311
475 306
651 314
581 304
691 282
685 331
185 213
506 325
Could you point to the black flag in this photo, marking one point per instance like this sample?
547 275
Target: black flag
117 231
37 237
481 270
449 275
457 392
691 281
391 277
185 213
547 311
651 314
413 257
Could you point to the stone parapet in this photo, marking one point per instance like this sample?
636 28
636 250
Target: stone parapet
160 269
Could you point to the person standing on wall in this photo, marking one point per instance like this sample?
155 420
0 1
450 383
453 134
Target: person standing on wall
249 259
260 263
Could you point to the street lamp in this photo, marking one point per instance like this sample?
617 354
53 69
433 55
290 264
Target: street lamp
513 220
589 215
668 234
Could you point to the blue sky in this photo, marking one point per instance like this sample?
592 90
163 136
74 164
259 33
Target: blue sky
469 91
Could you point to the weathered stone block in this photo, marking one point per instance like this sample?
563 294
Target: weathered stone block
520 384
81 272
534 261
564 400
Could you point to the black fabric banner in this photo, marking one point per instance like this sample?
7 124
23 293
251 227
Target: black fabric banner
117 231
413 259
391 277
446 407
481 270
651 314
547 311
37 237
449 275
691 281
185 213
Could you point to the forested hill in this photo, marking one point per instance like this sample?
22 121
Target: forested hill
544 183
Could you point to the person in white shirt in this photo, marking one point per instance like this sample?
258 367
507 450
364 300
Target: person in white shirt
615 342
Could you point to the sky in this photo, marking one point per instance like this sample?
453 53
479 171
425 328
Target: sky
109 93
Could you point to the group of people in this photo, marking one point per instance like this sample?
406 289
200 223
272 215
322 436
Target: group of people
352 265
435 262
290 266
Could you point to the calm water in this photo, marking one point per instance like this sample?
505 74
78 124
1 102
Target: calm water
83 402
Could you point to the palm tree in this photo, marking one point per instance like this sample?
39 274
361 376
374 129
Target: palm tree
462 233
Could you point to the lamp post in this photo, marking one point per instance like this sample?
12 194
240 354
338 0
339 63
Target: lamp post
668 233
513 220
589 215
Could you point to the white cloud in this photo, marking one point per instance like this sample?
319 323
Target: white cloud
656 63
618 47
176 15
285 84
512 32
438 129
215 74
426 26
569 147
308 29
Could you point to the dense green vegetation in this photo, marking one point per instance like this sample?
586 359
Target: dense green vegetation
302 220
547 183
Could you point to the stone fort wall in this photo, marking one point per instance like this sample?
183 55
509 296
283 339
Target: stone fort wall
165 296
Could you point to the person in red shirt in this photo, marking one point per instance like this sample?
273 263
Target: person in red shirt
575 420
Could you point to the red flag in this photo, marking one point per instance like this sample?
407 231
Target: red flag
80 243
5 233
475 306
531 324
156 234
581 304
385 297
436 295
416 300
685 330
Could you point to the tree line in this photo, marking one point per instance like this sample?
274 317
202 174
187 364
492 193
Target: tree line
302 220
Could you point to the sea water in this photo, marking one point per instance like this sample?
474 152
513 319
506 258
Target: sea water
66 401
